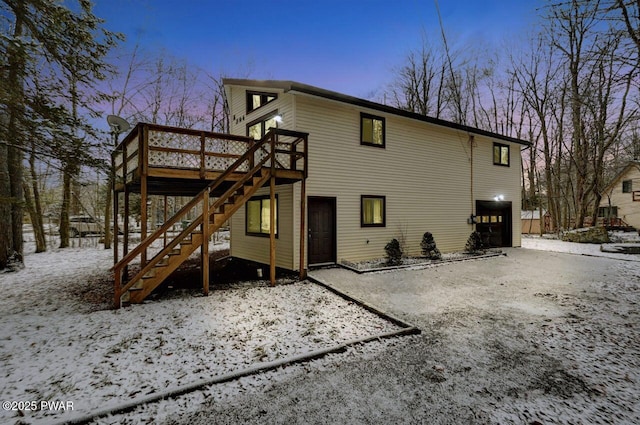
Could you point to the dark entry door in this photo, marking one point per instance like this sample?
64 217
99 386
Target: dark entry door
322 230
493 222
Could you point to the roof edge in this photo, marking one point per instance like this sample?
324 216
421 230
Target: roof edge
340 97
614 181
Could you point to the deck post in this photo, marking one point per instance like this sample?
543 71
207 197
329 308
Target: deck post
143 166
303 214
125 239
143 217
203 158
164 219
116 239
204 251
272 230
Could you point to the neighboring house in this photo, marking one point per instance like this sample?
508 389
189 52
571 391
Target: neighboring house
531 222
374 173
621 198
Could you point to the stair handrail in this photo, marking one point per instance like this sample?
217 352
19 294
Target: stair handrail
269 138
174 219
117 268
189 229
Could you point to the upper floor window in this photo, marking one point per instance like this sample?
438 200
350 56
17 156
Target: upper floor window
372 130
627 186
500 154
259 127
372 212
256 100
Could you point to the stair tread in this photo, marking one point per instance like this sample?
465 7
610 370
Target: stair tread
221 214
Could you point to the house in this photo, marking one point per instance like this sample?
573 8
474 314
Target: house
374 173
621 198
308 177
531 222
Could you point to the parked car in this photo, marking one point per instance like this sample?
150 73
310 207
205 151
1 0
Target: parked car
80 225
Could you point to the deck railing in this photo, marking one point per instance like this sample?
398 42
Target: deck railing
162 147
278 150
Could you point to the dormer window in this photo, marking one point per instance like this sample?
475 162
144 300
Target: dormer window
257 100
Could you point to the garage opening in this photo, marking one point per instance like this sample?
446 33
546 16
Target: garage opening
494 223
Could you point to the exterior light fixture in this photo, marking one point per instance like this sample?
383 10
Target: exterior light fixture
278 118
498 198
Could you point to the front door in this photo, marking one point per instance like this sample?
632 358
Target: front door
493 222
322 230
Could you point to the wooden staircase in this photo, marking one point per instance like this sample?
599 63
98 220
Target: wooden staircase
261 164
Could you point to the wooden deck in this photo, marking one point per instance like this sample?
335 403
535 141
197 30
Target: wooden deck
181 162
219 172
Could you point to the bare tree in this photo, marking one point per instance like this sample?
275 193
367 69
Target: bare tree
42 33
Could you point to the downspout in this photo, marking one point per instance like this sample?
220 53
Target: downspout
472 201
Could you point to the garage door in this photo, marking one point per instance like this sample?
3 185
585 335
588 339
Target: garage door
494 222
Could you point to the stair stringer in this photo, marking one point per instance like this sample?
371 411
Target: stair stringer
170 262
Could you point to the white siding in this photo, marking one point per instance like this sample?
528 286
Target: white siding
424 172
238 106
256 248
628 210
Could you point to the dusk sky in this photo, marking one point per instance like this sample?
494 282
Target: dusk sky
347 46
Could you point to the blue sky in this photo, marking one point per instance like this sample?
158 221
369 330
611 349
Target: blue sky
350 46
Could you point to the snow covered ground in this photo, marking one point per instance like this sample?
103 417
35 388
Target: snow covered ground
548 334
58 345
556 245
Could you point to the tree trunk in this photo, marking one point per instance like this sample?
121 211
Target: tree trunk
39 235
66 205
36 219
11 196
107 213
6 238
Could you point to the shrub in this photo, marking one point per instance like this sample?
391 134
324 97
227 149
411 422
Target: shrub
429 248
394 253
474 243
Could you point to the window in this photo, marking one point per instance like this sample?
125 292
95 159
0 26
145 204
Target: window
500 154
627 186
372 211
256 100
259 127
372 130
608 212
258 216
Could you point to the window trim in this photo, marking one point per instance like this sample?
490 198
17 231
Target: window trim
630 183
262 120
251 93
493 154
246 216
364 115
384 211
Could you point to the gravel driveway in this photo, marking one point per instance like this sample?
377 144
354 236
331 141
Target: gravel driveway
532 337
